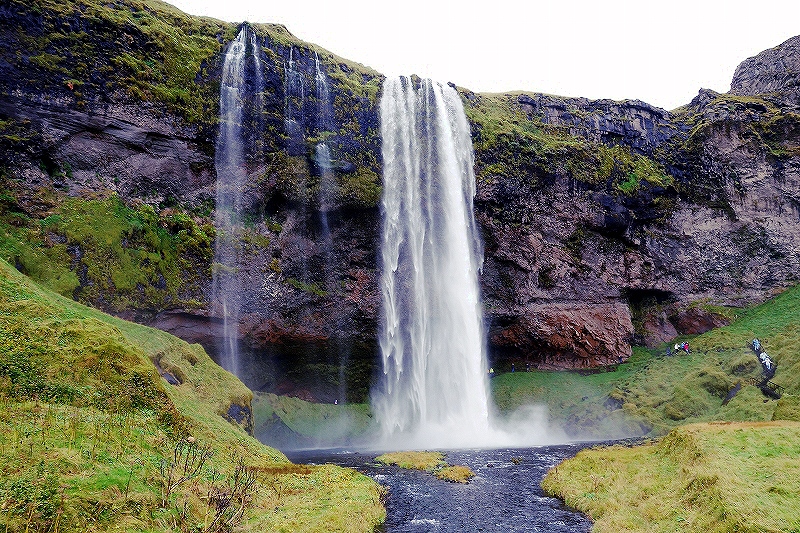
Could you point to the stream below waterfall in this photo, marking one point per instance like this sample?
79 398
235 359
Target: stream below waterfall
505 495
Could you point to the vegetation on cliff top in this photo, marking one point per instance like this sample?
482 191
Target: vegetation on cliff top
91 434
521 154
144 50
717 477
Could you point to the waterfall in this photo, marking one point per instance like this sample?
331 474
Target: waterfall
325 109
434 388
327 192
295 92
230 162
322 154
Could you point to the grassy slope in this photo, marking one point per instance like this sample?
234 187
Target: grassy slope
87 422
716 477
713 476
652 394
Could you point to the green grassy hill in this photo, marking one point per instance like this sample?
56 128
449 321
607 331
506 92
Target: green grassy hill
719 475
92 438
711 478
651 393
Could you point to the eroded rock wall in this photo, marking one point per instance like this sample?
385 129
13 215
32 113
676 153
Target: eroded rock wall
604 223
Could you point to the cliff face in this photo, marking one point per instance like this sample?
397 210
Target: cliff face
604 222
774 73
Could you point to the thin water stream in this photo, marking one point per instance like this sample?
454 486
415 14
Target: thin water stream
505 496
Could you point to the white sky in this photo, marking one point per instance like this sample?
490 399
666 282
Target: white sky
659 51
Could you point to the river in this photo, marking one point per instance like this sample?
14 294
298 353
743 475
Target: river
504 496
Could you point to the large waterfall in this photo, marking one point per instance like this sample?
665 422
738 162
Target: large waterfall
231 178
434 390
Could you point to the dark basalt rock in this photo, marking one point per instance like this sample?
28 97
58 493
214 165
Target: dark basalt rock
564 244
775 71
242 415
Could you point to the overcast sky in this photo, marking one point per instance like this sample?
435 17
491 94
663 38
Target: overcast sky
660 51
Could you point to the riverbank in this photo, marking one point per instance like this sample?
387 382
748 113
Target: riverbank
738 474
714 477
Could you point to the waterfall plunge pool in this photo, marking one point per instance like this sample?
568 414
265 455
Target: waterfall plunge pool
504 496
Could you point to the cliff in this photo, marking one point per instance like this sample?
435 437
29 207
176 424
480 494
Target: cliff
604 222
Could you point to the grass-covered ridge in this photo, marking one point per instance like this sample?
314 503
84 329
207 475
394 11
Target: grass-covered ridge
94 439
141 50
717 477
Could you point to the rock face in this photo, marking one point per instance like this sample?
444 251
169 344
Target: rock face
774 71
604 223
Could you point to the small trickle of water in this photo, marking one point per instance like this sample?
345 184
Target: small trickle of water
325 106
295 92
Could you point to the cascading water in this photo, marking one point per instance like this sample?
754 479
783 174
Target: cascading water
325 109
231 178
295 93
432 338
322 153
327 190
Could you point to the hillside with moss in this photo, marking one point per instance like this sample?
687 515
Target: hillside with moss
635 223
652 393
94 438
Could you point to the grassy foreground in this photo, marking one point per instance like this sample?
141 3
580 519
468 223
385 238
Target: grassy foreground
715 477
93 439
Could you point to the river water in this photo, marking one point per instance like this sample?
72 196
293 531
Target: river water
505 495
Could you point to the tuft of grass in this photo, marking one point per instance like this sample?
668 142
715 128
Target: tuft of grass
718 477
428 461
455 474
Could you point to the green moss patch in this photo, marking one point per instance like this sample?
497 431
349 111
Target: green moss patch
103 250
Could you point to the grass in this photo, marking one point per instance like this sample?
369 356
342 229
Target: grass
432 462
650 394
715 477
93 439
318 422
427 461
